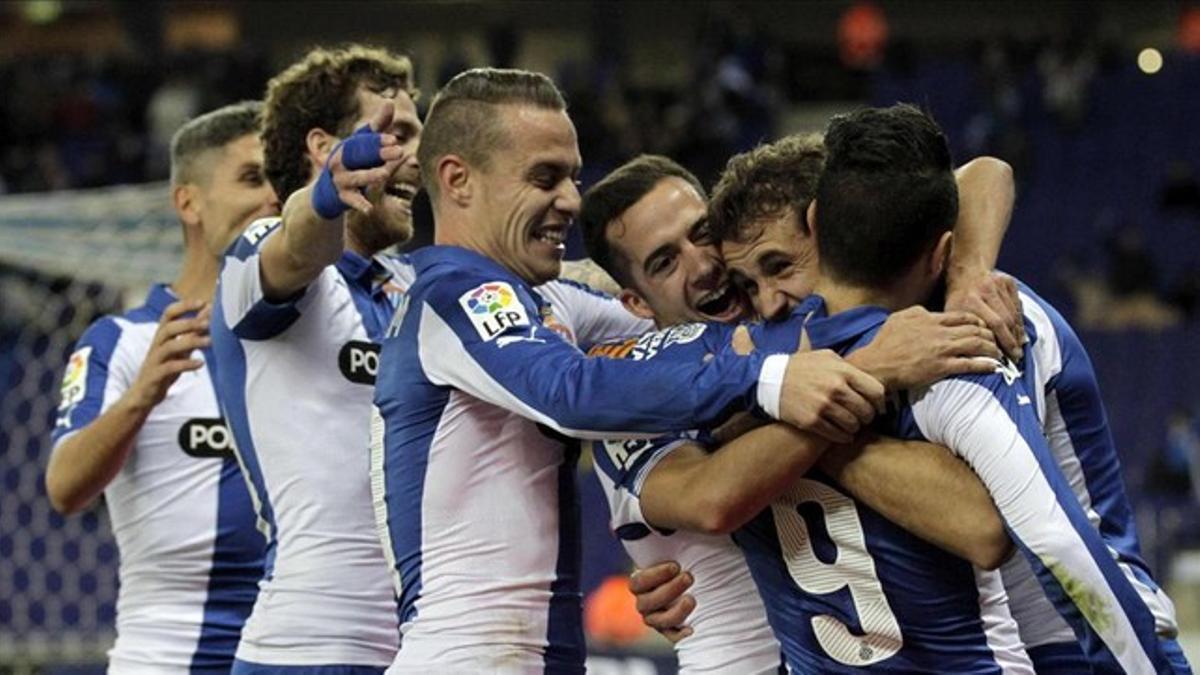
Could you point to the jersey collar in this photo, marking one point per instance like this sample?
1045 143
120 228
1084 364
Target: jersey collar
827 331
462 257
366 271
159 298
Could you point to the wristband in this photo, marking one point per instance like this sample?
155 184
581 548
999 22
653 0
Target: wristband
359 151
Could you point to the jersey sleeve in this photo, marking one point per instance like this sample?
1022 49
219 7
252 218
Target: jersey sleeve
991 423
245 309
92 380
486 338
593 316
622 467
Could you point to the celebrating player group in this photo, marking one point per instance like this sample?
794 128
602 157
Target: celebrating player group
832 436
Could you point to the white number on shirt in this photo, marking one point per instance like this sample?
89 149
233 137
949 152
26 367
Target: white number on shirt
852 568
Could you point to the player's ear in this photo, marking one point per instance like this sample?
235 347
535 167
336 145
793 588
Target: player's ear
941 255
186 200
454 179
635 303
318 143
810 218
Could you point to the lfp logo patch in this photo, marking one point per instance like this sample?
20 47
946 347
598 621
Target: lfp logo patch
493 308
74 384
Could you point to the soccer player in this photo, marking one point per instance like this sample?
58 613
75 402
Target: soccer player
477 491
647 223
300 304
139 423
888 177
754 207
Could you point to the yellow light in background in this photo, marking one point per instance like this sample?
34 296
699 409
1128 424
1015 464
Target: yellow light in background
1150 60
41 11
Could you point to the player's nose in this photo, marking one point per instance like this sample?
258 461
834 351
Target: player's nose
771 304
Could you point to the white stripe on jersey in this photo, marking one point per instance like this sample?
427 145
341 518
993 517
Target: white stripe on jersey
731 634
995 449
998 625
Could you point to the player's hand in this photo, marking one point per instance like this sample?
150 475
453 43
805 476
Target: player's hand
916 347
171 348
662 599
367 159
824 394
992 297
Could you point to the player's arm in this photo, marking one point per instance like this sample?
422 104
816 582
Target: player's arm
95 447
508 359
690 489
991 423
986 192
911 483
312 234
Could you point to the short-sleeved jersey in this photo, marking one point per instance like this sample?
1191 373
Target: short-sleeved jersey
730 630
474 484
1062 383
295 380
190 557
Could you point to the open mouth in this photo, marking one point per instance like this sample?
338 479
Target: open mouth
554 235
719 302
405 191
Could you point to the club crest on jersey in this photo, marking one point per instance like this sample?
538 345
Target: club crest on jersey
206 437
493 308
74 384
359 361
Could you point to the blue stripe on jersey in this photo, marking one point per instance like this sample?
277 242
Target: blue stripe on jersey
267 319
405 466
237 565
1082 409
231 356
567 650
102 337
371 301
583 287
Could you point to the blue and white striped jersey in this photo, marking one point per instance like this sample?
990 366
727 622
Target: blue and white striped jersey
1059 375
475 485
190 558
295 381
730 630
992 424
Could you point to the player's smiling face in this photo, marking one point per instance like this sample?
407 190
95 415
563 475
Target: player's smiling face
391 220
673 261
776 268
233 192
528 197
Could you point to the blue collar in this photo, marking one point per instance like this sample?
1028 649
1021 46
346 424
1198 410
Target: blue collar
159 298
366 271
825 331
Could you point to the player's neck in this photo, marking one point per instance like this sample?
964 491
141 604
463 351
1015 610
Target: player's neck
840 296
197 278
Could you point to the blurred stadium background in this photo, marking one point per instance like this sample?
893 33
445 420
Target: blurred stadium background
1095 104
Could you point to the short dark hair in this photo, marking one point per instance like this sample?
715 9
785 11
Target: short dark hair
886 195
609 199
210 131
318 92
462 119
764 183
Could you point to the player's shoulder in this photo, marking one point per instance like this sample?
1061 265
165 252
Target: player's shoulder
447 275
250 241
570 288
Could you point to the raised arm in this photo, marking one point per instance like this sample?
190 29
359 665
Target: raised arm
986 194
312 236
93 441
